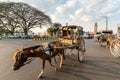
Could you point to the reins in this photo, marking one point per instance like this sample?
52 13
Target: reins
29 60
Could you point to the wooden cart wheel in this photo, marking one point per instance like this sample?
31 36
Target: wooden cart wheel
80 56
115 48
81 50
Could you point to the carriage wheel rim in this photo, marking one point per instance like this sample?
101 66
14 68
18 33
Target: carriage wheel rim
114 49
80 56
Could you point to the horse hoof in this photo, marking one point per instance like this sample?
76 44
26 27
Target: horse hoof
39 77
55 69
63 64
60 67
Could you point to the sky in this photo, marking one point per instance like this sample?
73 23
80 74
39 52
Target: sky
79 12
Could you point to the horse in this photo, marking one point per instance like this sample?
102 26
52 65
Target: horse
21 56
56 48
105 40
108 40
100 40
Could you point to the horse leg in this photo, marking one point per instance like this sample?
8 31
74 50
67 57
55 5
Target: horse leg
49 60
55 60
63 55
108 42
52 53
100 41
61 60
43 66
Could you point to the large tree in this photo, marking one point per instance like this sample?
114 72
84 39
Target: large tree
21 15
8 19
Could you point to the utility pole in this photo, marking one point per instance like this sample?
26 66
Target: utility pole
106 21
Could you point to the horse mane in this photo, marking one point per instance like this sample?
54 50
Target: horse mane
14 56
32 47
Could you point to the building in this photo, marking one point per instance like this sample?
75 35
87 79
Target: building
95 28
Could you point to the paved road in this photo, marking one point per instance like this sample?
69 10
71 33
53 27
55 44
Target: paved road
99 64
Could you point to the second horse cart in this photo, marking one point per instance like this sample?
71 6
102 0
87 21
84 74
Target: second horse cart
115 44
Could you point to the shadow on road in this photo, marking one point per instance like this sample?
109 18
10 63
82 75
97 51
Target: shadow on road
93 67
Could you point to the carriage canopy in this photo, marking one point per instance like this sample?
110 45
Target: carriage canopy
66 30
107 31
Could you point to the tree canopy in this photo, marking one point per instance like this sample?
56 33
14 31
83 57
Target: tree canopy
21 15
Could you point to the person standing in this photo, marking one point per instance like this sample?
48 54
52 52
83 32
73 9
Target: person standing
80 39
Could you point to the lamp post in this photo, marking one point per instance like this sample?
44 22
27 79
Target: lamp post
106 21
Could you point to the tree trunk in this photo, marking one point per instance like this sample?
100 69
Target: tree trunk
26 32
11 32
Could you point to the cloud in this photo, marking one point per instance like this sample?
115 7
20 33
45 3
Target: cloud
78 12
111 7
65 11
85 10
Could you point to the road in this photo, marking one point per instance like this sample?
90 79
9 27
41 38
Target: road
99 64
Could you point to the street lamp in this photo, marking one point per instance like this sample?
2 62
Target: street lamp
106 21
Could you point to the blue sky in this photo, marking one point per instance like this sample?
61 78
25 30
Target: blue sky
80 12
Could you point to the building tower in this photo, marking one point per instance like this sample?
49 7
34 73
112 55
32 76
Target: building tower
95 28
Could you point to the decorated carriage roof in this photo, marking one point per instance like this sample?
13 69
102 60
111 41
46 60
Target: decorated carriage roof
71 27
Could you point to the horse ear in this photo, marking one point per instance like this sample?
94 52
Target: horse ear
17 50
21 54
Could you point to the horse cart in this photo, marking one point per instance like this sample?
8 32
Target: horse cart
105 38
72 38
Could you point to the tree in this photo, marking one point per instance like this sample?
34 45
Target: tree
50 31
3 31
29 17
7 19
22 15
56 28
